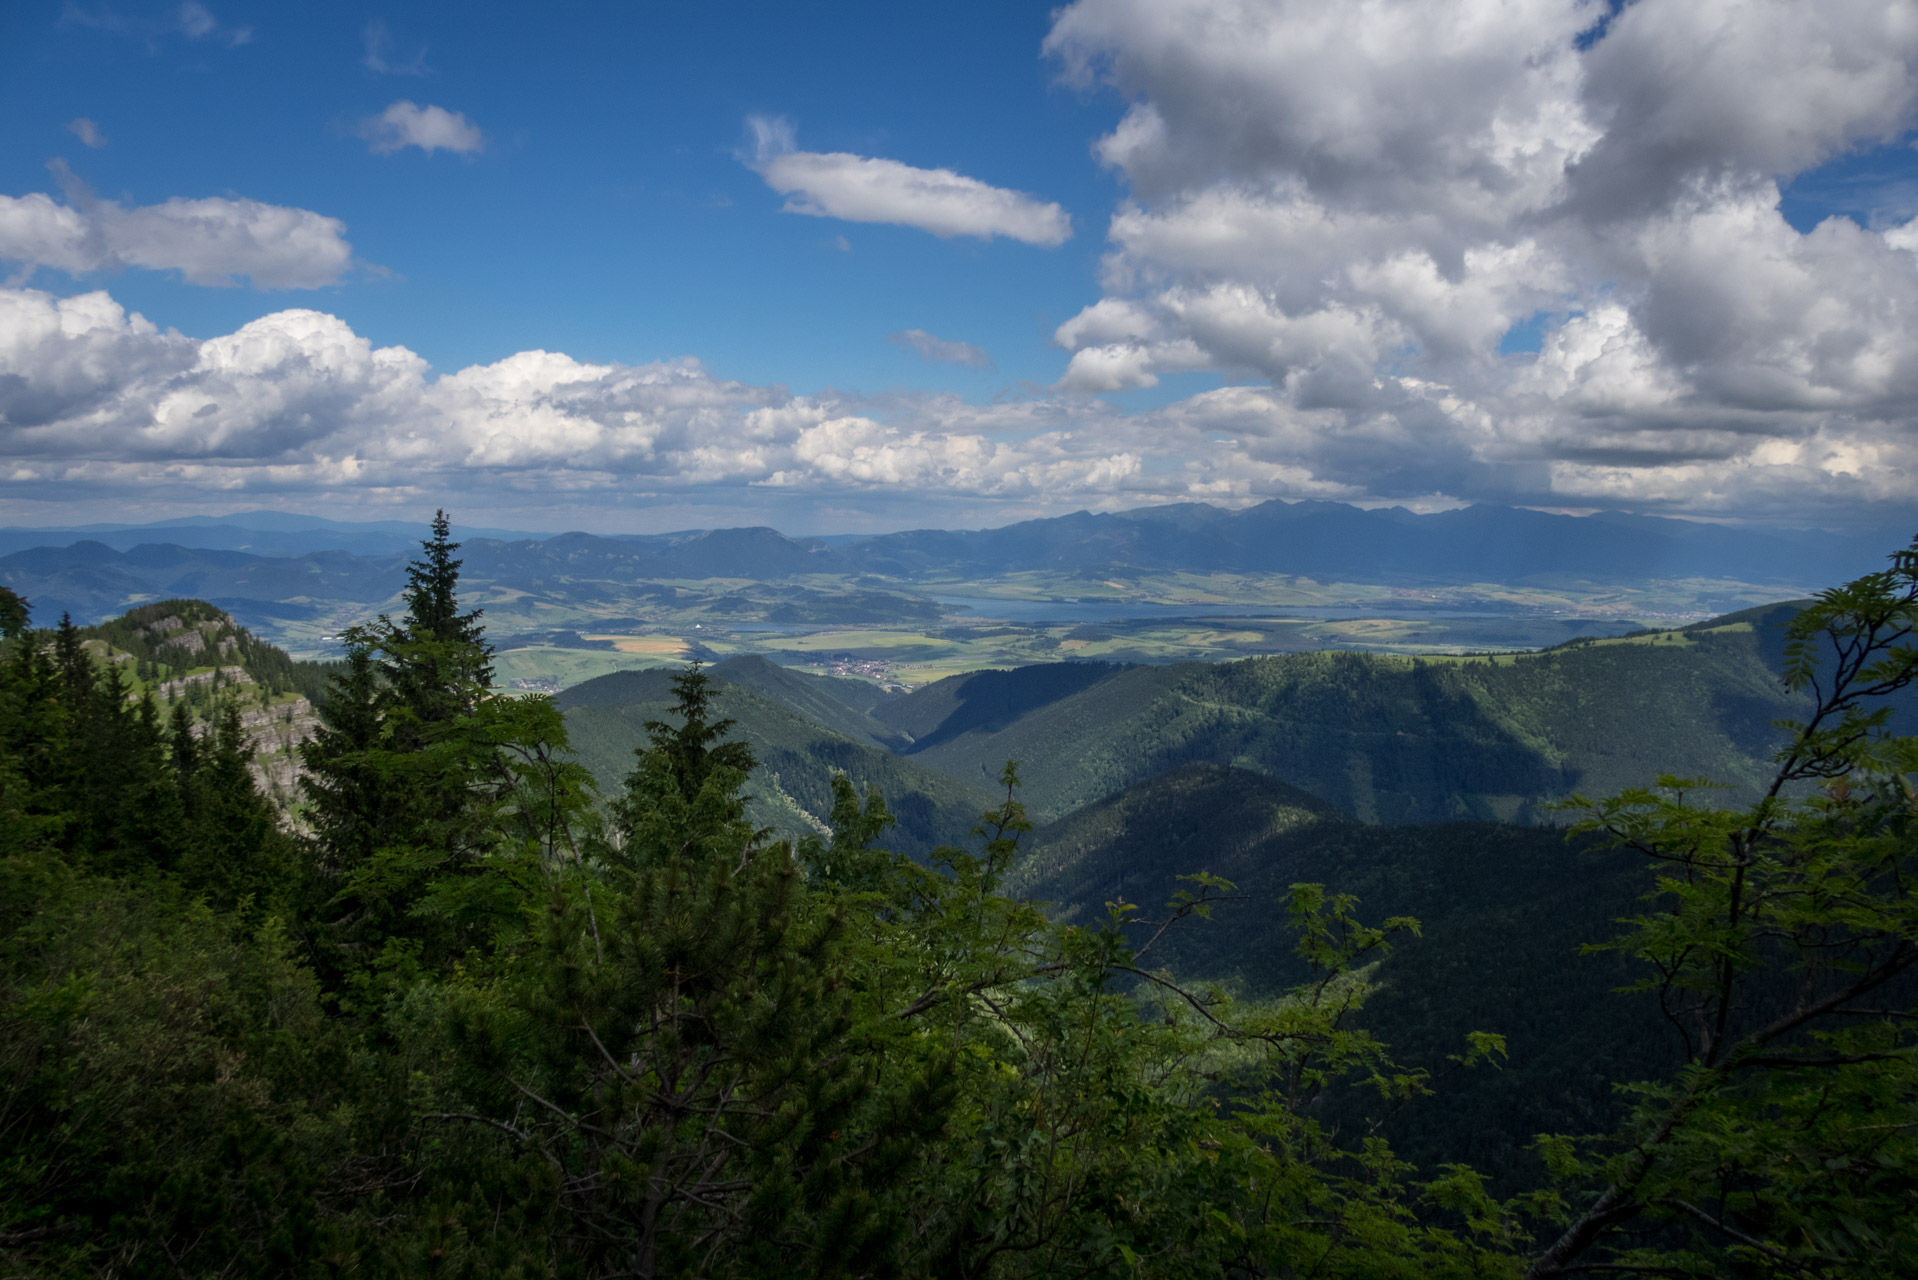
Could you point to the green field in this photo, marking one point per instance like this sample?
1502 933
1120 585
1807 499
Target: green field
543 667
896 633
908 657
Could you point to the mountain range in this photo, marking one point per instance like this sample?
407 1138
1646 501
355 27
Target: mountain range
297 563
1372 738
265 533
1385 739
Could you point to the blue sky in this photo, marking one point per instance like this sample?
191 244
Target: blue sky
875 266
609 215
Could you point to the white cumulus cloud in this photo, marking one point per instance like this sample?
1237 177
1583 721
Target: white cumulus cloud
407 124
99 405
1353 204
96 400
868 189
209 241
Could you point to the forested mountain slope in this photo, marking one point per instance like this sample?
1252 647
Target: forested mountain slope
1504 911
792 790
987 701
834 702
1385 739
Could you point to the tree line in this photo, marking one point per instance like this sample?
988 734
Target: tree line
463 1016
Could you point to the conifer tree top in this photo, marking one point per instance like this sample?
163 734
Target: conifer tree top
432 590
696 747
14 613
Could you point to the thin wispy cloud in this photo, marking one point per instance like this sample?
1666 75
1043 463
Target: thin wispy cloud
406 124
934 350
192 19
866 189
87 132
380 58
198 23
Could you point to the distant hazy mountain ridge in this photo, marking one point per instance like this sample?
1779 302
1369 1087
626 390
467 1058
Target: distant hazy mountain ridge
1330 540
303 562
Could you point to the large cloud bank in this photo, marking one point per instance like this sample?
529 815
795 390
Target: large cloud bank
94 399
1352 203
1346 207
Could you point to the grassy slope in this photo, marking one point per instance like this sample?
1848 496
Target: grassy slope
1503 909
1387 739
792 789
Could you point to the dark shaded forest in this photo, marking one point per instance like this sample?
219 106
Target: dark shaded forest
461 1011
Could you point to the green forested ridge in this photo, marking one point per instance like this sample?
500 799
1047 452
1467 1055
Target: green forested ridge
798 754
1386 739
987 701
840 704
1504 910
476 1019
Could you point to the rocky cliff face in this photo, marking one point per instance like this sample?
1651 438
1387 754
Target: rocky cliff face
213 643
275 733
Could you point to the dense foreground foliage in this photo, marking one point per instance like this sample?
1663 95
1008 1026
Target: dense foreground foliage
469 1020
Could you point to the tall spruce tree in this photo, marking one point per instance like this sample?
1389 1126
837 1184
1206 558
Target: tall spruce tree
343 792
684 1031
33 809
437 658
14 613
409 777
104 763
